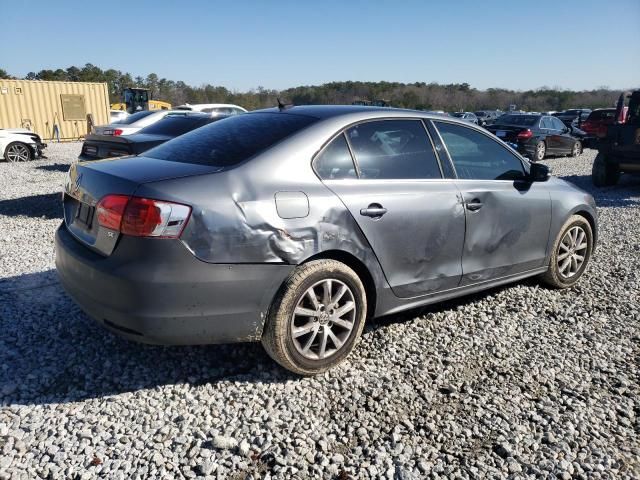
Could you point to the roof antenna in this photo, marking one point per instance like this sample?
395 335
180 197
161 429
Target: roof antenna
281 106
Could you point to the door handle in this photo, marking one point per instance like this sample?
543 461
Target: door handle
474 205
375 210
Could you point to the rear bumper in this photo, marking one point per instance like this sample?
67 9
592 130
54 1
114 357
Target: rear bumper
156 291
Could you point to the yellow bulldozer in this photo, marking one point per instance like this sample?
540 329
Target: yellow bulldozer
137 99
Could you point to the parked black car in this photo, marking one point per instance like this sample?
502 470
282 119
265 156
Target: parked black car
536 135
574 116
96 147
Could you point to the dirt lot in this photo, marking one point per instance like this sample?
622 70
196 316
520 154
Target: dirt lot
517 381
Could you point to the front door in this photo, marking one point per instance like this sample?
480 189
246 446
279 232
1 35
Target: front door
562 141
411 216
507 217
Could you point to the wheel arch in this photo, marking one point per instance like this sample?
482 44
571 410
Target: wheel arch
357 266
592 222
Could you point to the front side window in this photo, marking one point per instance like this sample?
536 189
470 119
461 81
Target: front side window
335 162
393 149
478 157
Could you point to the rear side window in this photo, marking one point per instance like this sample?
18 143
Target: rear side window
393 149
174 126
335 162
557 124
478 157
232 140
135 117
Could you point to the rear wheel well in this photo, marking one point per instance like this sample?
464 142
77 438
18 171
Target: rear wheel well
357 266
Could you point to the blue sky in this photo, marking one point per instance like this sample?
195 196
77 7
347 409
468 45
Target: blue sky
278 44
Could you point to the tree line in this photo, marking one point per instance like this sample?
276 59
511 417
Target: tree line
418 95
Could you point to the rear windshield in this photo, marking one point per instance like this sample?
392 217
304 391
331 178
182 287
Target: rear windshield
231 141
174 126
526 120
602 114
135 117
457 114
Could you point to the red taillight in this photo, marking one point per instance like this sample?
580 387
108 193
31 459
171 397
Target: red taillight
142 217
117 131
525 134
110 209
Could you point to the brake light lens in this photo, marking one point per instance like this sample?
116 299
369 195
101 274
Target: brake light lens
525 134
110 209
142 217
117 131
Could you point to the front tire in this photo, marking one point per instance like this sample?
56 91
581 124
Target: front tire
18 152
316 318
604 174
571 253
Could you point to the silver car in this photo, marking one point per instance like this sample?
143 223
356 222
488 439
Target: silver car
293 226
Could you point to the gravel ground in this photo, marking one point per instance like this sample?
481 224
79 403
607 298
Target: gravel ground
515 382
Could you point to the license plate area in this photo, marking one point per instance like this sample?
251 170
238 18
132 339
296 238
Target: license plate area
84 215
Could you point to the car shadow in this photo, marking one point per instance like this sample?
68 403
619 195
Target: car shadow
51 352
626 193
55 167
47 205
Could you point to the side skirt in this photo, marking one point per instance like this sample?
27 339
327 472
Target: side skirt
389 304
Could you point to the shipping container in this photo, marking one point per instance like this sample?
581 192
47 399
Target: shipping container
53 110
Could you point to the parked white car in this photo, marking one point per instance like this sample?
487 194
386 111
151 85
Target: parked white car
213 108
132 124
20 145
116 116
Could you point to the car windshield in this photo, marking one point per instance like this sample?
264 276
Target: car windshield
602 114
135 117
458 114
525 120
481 114
570 112
176 125
232 140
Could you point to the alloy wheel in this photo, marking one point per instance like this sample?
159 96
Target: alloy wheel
576 149
572 251
323 319
540 151
18 153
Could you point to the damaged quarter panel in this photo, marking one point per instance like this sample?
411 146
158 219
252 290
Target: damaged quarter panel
255 213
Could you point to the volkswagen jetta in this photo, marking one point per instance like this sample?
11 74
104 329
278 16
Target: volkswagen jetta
293 226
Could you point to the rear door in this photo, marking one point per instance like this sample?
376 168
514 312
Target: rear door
507 217
411 215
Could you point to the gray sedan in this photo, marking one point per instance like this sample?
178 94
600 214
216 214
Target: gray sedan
293 226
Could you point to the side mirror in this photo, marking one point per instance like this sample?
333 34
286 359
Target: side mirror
539 172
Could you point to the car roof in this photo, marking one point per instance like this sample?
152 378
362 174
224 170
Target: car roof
329 111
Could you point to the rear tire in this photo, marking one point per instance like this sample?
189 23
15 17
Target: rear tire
541 151
305 331
576 150
603 174
571 253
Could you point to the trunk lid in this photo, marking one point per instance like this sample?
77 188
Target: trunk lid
507 133
87 183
